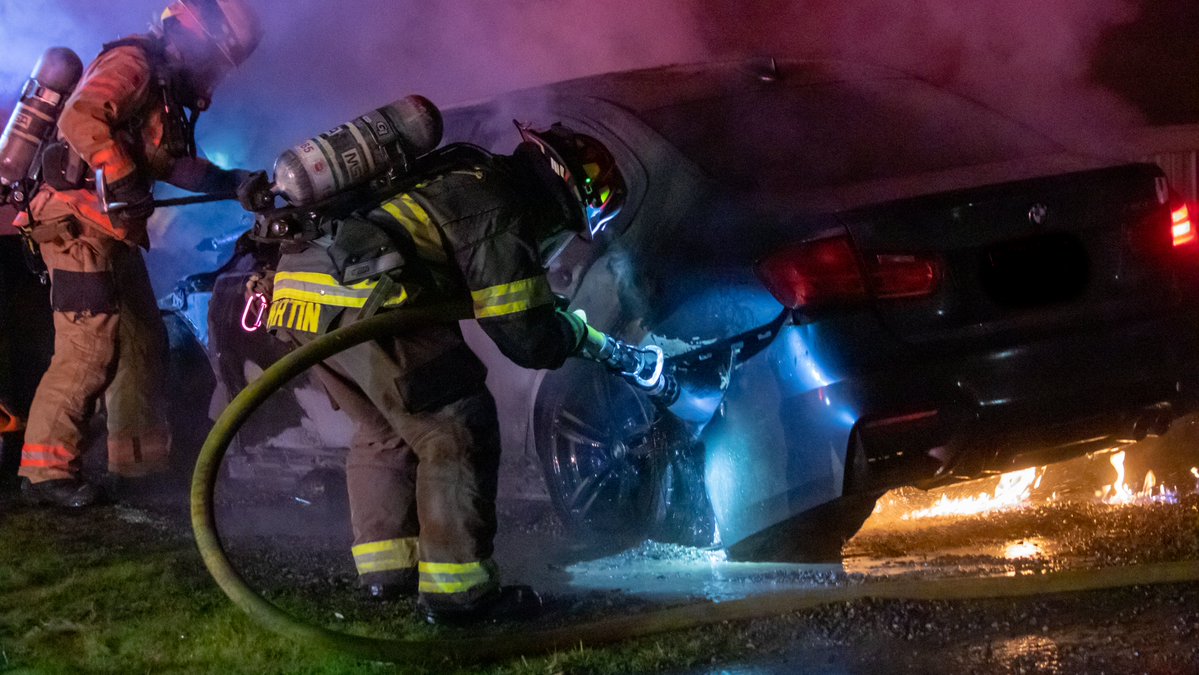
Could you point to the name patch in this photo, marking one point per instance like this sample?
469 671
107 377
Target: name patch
295 315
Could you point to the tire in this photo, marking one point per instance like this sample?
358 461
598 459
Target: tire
614 466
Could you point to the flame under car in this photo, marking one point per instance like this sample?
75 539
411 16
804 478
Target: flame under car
875 283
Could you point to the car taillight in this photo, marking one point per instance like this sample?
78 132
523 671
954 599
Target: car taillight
814 273
1181 226
903 275
828 272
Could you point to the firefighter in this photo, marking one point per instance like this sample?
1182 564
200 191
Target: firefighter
423 462
132 116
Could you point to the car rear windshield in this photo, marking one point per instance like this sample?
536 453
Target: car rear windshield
809 136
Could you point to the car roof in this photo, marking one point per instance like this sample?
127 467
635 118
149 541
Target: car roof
650 88
661 96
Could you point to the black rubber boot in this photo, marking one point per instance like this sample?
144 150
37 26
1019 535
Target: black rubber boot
71 493
397 586
10 461
153 489
510 603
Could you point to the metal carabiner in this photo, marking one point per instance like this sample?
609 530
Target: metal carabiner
261 301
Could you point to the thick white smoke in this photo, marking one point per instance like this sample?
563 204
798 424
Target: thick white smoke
323 62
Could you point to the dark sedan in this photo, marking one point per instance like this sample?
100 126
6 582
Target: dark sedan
864 281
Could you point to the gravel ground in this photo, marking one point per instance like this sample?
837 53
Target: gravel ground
1133 630
280 543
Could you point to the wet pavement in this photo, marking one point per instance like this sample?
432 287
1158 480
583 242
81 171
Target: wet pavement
1043 532
1067 517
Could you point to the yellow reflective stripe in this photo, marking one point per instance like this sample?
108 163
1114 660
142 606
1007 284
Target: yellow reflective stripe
387 555
403 543
337 301
322 298
455 577
446 587
323 289
307 278
414 219
511 298
450 568
321 279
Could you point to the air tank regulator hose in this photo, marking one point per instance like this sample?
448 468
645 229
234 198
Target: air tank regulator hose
542 640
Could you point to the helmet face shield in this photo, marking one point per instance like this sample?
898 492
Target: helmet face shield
224 30
589 171
602 202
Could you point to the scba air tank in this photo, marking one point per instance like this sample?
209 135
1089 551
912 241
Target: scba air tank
353 153
35 116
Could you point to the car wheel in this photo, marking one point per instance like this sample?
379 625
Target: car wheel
614 465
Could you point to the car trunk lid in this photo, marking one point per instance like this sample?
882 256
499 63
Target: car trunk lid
1030 255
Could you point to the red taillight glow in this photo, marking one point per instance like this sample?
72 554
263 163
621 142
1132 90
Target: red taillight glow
827 272
903 276
1181 226
814 273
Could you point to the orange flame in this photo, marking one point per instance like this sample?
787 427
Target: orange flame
1013 490
1120 493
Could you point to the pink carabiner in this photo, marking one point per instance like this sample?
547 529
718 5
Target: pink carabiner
261 301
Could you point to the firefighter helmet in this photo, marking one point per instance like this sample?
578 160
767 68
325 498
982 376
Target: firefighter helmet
208 38
587 168
231 28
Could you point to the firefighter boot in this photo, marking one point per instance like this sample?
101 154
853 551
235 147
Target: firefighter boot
71 493
403 585
508 603
140 490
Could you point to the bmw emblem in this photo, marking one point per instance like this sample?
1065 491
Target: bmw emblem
1037 214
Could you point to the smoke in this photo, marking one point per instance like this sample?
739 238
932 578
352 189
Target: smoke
331 61
323 62
1031 59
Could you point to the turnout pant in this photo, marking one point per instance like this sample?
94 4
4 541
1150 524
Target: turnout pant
423 463
109 341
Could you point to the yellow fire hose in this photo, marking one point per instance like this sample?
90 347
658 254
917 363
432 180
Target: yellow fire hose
606 631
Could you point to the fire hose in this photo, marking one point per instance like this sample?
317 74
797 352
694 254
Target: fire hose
525 641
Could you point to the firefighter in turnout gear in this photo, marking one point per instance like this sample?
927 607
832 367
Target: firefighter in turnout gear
423 464
132 116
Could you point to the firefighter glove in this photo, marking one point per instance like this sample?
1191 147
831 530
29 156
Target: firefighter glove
254 192
133 195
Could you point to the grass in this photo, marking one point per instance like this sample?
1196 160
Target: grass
93 593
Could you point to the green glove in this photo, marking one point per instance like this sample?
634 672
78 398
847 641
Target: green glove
642 367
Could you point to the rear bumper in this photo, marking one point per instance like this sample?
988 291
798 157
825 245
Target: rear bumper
964 415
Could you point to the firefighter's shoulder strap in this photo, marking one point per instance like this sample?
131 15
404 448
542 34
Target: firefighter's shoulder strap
178 127
154 49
